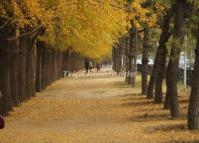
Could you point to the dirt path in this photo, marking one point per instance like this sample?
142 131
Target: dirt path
93 110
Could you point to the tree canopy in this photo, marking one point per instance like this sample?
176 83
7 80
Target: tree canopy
88 27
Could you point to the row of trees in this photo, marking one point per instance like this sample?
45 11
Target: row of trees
42 38
31 69
38 36
178 17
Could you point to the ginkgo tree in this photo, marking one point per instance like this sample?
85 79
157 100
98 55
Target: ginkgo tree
84 26
143 18
89 28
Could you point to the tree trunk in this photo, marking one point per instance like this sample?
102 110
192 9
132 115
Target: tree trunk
33 69
145 61
43 77
60 65
127 63
152 80
64 61
130 65
193 111
28 69
166 102
54 65
51 66
14 72
132 55
114 58
5 55
38 82
160 71
161 58
6 101
134 70
172 69
135 57
48 67
22 69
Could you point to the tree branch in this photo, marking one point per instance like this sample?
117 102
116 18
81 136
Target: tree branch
27 34
11 21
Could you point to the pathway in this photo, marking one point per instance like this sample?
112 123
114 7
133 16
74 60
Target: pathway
92 110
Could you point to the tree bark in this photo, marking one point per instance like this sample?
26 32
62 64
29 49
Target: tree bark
161 58
172 69
38 82
33 69
132 54
14 73
43 77
145 61
160 72
152 80
28 68
54 65
166 102
193 111
114 58
22 69
134 70
126 40
6 101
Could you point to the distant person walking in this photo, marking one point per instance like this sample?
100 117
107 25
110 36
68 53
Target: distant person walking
90 65
2 123
86 65
98 66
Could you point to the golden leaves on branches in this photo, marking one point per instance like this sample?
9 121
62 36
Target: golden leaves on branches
142 16
89 27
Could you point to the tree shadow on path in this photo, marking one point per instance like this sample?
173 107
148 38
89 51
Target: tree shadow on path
196 141
166 128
